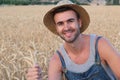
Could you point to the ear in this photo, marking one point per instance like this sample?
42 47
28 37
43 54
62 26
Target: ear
80 22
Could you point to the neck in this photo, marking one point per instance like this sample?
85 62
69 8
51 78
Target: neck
77 46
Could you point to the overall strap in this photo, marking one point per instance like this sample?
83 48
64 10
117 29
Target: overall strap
62 62
97 57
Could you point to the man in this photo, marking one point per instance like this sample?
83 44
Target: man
81 57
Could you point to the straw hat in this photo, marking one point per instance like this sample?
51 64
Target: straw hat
48 19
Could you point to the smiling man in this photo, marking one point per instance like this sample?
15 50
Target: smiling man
81 57
67 26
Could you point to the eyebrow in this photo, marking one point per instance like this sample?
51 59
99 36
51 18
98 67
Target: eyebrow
71 19
66 20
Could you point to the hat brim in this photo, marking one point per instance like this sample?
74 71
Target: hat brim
48 19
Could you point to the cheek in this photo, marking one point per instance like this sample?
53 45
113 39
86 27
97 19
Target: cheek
57 29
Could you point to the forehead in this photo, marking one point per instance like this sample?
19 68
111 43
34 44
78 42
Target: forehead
62 16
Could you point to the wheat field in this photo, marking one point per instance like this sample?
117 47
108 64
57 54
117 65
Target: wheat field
24 40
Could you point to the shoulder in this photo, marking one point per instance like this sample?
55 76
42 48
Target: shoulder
109 54
54 69
55 61
104 44
106 49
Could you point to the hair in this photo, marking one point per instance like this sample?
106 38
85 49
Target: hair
65 8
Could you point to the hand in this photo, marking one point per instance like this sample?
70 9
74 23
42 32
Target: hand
34 73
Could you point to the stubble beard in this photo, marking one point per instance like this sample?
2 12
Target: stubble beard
75 37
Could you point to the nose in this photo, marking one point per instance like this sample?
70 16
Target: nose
66 26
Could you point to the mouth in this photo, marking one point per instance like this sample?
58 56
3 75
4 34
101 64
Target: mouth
68 33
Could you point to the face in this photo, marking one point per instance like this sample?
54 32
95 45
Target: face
67 25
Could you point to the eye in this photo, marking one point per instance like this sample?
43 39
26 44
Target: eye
59 23
71 20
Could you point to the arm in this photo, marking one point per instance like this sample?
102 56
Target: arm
55 69
110 55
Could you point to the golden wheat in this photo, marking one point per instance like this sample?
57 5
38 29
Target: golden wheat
24 40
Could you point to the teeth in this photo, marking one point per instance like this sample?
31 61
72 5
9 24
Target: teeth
68 31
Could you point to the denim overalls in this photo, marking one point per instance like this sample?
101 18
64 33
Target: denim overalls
96 72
